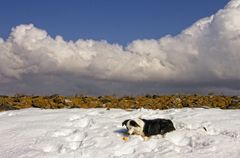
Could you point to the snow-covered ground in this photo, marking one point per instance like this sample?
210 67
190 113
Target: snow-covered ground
82 133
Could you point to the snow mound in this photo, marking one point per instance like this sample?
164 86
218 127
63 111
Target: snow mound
87 133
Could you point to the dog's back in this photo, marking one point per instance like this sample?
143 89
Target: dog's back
157 126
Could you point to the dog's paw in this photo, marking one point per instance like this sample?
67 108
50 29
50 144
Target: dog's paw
146 138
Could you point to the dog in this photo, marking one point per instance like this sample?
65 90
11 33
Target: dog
147 128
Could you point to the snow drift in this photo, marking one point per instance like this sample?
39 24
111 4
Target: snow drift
87 133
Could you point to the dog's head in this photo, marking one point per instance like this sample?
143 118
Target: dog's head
134 126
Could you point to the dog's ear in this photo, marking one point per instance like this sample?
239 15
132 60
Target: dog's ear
134 124
125 123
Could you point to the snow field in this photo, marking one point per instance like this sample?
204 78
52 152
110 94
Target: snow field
87 133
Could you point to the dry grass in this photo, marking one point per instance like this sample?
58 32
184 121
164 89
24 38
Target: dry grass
127 102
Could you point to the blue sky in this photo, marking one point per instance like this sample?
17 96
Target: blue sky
201 54
117 21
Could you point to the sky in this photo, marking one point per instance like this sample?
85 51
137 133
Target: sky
119 47
117 21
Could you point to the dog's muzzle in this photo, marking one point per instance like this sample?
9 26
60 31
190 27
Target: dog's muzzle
130 132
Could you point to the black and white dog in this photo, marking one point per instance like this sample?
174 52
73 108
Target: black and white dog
147 128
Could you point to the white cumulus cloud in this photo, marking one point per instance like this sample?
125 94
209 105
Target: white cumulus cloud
207 53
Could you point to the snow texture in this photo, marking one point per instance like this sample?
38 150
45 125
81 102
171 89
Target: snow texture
87 133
